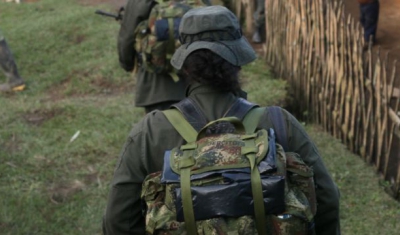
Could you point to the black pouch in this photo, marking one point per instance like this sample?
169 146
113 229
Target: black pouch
162 29
234 199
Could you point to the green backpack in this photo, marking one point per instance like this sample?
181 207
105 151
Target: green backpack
157 38
239 182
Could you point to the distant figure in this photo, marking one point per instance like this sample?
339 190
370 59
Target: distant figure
7 63
369 16
154 90
259 22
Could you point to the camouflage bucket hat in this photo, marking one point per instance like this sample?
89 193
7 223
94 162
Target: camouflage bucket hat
215 28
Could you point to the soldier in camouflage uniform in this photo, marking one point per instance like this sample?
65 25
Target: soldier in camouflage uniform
8 65
211 63
153 91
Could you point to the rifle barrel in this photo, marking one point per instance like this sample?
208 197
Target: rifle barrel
100 12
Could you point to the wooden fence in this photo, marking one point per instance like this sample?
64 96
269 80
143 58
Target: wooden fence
353 93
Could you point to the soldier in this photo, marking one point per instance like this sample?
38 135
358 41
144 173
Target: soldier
210 58
369 16
7 63
259 22
153 91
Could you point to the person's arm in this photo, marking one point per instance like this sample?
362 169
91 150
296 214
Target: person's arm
135 12
327 220
124 211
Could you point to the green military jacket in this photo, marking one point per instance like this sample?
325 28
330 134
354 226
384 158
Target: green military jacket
151 88
143 154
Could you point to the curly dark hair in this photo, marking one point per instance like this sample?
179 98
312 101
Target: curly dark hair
208 68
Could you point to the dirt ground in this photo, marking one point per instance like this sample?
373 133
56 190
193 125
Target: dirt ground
388 34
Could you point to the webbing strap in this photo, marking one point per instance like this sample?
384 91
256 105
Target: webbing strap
196 117
250 122
174 76
188 213
252 119
256 188
181 125
171 33
171 45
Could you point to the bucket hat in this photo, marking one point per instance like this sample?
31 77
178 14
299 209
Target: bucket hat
214 28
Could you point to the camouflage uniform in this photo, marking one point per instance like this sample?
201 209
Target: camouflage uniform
140 157
153 91
7 63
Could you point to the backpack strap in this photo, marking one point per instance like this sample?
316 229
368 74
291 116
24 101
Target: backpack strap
240 108
252 119
275 114
250 122
192 113
178 121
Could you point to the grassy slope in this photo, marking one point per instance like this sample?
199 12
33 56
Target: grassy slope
50 185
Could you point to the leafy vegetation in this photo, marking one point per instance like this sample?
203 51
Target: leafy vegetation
60 138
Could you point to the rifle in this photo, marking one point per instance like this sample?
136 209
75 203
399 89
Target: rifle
117 17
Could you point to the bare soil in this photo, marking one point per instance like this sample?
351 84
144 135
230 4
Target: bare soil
388 35
37 117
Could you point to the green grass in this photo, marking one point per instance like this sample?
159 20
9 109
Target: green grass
365 207
52 185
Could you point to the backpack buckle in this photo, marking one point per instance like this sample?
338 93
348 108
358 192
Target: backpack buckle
186 162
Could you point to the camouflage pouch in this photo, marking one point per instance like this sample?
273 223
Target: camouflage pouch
300 198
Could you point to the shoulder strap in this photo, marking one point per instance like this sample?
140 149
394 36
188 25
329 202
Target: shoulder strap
192 113
279 125
184 128
240 108
252 119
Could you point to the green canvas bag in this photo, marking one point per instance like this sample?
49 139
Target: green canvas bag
239 182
